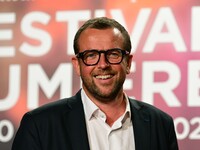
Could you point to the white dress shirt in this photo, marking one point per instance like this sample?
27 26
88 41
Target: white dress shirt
103 137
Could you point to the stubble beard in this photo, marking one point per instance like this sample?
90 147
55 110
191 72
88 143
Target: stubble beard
99 94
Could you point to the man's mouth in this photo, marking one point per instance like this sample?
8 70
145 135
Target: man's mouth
103 77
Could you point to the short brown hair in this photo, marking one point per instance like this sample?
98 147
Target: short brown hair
103 23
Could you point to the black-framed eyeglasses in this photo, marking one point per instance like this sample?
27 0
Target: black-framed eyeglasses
92 57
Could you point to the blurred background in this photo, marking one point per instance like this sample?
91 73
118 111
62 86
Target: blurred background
36 38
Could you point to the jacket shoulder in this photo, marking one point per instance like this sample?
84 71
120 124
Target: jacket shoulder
149 109
57 107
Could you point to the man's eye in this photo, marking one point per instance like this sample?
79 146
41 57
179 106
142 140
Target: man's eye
90 55
114 55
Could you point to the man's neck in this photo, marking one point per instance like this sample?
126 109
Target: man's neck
113 109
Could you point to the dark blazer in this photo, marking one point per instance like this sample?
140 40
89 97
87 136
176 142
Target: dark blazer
61 126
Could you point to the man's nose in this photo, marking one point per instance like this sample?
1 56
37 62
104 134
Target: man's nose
103 63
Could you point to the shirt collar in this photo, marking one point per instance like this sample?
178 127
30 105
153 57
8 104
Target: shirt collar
89 106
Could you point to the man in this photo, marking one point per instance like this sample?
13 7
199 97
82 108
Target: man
100 116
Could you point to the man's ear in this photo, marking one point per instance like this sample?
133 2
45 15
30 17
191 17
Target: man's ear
76 65
129 62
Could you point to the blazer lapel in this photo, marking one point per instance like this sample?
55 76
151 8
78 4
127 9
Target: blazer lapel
141 126
76 126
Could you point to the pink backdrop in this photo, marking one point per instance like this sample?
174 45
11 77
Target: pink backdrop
36 48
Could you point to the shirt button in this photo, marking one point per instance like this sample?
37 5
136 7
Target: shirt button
102 116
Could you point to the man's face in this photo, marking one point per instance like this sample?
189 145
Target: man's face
102 81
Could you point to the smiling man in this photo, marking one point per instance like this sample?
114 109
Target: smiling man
100 116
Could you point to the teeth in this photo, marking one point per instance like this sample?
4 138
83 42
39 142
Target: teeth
103 77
